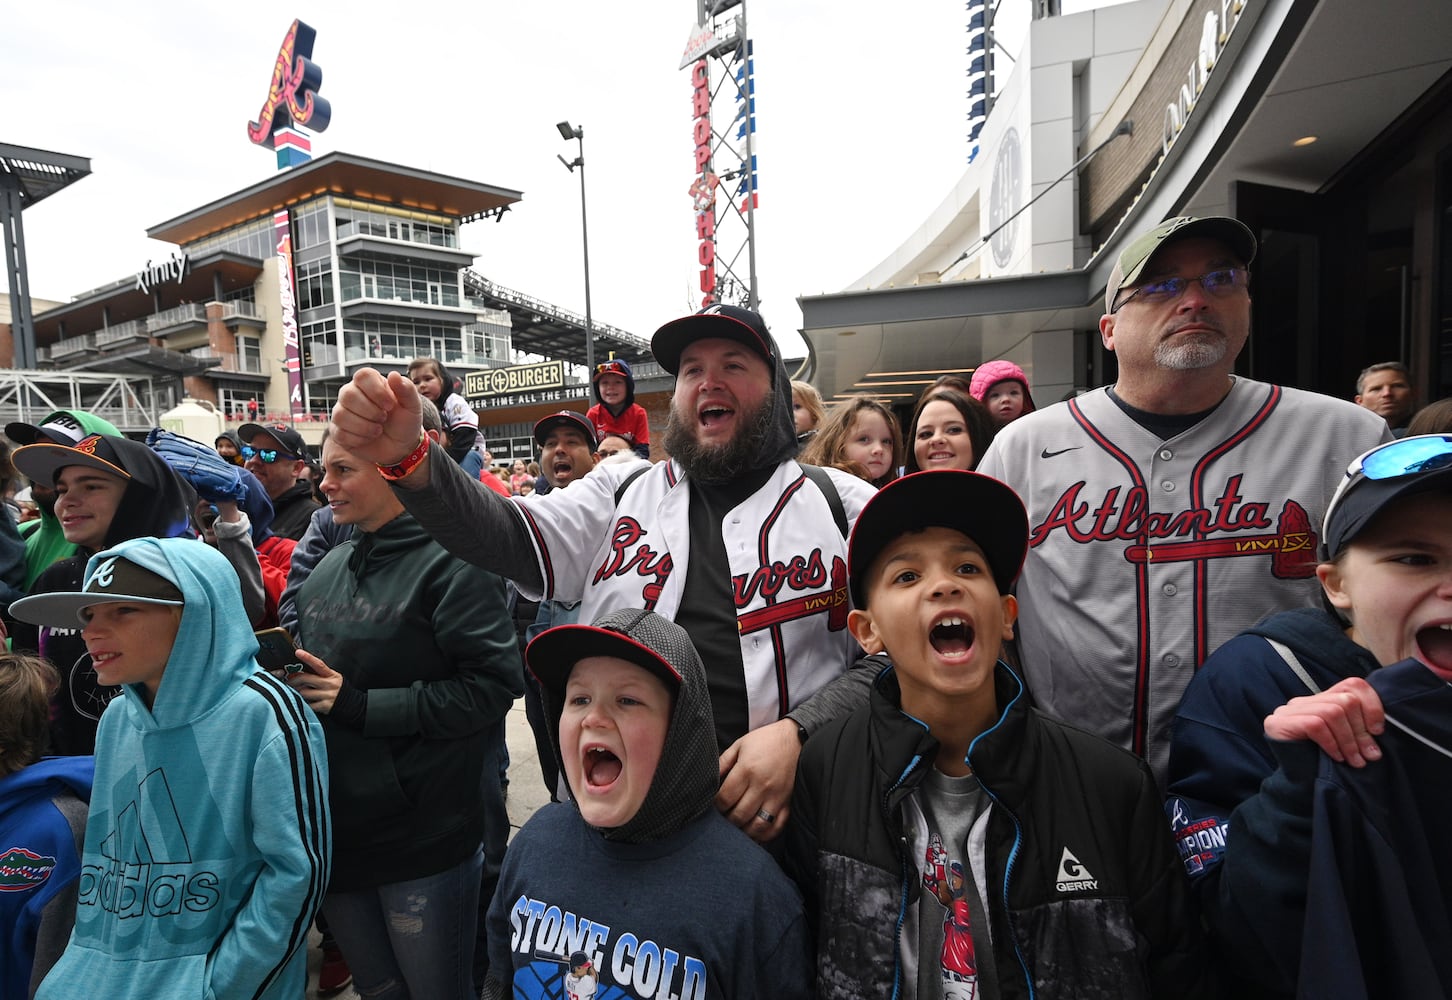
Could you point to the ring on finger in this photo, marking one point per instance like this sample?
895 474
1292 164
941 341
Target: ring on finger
765 816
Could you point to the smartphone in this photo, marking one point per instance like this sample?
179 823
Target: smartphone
276 652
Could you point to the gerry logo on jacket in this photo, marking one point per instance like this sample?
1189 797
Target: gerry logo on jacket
148 869
1073 876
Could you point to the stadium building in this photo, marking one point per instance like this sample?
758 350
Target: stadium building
1324 125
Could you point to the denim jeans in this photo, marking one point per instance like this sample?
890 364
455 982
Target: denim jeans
411 939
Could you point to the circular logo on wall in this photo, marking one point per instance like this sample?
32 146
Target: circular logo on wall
1005 197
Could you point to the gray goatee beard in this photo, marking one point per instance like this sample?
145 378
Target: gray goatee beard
716 464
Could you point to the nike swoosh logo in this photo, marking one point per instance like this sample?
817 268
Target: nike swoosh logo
1050 454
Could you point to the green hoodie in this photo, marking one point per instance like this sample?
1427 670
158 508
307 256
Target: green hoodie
44 542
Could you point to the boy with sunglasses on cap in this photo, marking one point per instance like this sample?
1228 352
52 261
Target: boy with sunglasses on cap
951 841
1275 835
207 846
658 894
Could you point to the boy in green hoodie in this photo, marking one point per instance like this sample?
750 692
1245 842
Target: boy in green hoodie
45 543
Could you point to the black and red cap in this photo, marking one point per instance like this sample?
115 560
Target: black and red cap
291 440
643 638
981 507
714 321
564 418
40 462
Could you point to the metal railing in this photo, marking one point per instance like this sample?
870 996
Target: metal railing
474 280
240 308
192 312
130 330
228 362
73 345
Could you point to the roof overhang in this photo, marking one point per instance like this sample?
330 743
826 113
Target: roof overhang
1332 68
348 176
40 173
124 300
928 328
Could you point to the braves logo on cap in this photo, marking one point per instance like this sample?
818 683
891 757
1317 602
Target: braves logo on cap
88 444
105 574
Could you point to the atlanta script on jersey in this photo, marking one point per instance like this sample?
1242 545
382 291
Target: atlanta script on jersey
788 564
1146 555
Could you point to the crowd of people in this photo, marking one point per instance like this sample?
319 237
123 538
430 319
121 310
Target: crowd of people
1141 694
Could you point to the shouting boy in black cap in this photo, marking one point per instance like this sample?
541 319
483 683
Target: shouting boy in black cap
951 841
661 896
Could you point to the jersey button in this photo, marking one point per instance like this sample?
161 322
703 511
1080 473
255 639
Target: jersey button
1172 660
1166 454
1167 486
1170 590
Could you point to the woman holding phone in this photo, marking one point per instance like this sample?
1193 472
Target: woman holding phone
411 658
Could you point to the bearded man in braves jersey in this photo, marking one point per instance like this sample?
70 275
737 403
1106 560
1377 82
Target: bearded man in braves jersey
1178 506
729 538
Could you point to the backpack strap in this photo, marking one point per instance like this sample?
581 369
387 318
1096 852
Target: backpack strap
818 475
625 484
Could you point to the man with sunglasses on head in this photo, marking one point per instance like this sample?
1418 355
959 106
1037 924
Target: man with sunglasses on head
276 455
1176 507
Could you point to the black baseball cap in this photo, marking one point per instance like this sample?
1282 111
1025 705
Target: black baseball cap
565 418
41 461
725 322
116 580
291 440
60 427
981 507
643 638
1386 473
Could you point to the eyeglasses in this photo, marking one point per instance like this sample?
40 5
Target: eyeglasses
267 455
1221 283
609 368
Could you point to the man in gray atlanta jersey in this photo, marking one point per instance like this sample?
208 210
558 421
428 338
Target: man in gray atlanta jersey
1178 506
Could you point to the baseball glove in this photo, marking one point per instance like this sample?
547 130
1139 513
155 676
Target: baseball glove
212 476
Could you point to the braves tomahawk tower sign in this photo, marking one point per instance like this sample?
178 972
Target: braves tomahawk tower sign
292 99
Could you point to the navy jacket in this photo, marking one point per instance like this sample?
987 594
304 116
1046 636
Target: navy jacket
1379 899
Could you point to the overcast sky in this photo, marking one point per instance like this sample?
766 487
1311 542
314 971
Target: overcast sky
861 119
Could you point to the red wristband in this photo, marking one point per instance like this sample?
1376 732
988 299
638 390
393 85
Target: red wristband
411 462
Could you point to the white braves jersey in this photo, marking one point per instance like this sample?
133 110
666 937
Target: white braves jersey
1146 555
787 558
456 412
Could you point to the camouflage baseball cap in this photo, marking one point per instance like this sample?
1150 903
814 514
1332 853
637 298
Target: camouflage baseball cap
1134 258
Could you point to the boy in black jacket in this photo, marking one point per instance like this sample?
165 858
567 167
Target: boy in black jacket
952 842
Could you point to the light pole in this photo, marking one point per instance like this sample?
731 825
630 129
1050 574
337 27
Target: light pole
568 132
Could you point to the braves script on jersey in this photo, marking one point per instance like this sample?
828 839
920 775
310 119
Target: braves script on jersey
788 565
1146 555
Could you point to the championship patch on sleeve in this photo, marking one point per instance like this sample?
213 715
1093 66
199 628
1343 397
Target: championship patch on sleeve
1200 839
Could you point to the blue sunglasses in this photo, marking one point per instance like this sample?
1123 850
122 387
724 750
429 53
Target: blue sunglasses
1406 457
267 455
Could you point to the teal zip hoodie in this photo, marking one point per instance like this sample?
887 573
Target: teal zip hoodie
208 843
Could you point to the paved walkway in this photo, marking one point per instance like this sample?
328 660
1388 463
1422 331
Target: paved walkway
526 794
